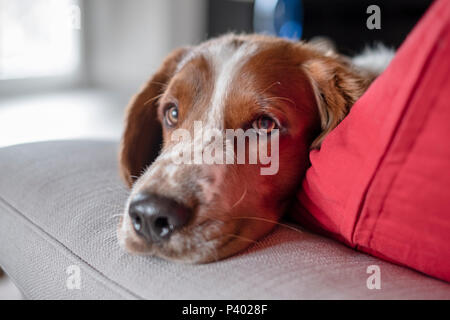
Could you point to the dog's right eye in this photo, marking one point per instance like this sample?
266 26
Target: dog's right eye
266 123
171 115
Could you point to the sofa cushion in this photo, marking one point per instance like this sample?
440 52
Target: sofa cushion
59 206
381 181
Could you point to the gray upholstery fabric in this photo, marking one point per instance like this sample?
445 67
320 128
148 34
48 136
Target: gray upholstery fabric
58 207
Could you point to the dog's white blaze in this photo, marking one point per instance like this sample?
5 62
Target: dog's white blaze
226 60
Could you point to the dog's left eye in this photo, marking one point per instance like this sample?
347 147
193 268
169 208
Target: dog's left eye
171 115
265 123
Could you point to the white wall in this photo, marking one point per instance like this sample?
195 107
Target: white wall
126 40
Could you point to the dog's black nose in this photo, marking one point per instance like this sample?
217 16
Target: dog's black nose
156 217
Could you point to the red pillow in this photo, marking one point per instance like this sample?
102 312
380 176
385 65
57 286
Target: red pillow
381 181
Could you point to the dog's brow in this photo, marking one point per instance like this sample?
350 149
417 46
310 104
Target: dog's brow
187 58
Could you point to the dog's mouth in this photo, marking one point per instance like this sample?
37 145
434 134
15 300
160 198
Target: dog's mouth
202 241
193 222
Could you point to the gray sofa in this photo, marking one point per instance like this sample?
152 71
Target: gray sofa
59 203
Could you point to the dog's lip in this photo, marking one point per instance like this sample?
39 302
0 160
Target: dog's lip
178 257
227 231
221 239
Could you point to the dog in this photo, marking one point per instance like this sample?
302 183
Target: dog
196 212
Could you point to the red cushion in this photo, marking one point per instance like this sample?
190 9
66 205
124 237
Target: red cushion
381 181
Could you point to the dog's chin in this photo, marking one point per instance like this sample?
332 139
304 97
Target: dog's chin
202 243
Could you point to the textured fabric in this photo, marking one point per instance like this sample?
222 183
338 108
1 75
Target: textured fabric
59 203
381 181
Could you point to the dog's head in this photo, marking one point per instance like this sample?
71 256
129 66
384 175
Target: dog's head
288 94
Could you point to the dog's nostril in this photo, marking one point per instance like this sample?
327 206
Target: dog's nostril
162 227
137 220
137 223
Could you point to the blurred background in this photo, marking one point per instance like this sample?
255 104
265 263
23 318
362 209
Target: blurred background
68 67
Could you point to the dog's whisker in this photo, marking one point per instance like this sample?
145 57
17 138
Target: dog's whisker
273 84
241 198
164 85
115 213
280 98
231 234
212 218
113 205
114 217
113 208
153 99
116 187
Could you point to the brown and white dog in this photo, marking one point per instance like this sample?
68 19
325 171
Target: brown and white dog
203 212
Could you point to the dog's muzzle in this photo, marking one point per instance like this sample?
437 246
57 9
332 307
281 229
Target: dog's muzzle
155 218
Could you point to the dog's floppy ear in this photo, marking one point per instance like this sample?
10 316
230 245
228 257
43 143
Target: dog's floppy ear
337 86
142 138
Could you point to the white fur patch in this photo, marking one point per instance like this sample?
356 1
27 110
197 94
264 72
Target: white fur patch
374 59
227 60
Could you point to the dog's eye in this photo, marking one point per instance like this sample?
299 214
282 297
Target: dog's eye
171 115
265 123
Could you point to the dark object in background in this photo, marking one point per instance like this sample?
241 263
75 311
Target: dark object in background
344 21
229 15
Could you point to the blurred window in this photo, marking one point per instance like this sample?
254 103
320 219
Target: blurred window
39 38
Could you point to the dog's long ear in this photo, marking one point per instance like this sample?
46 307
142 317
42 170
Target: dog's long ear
142 138
337 86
